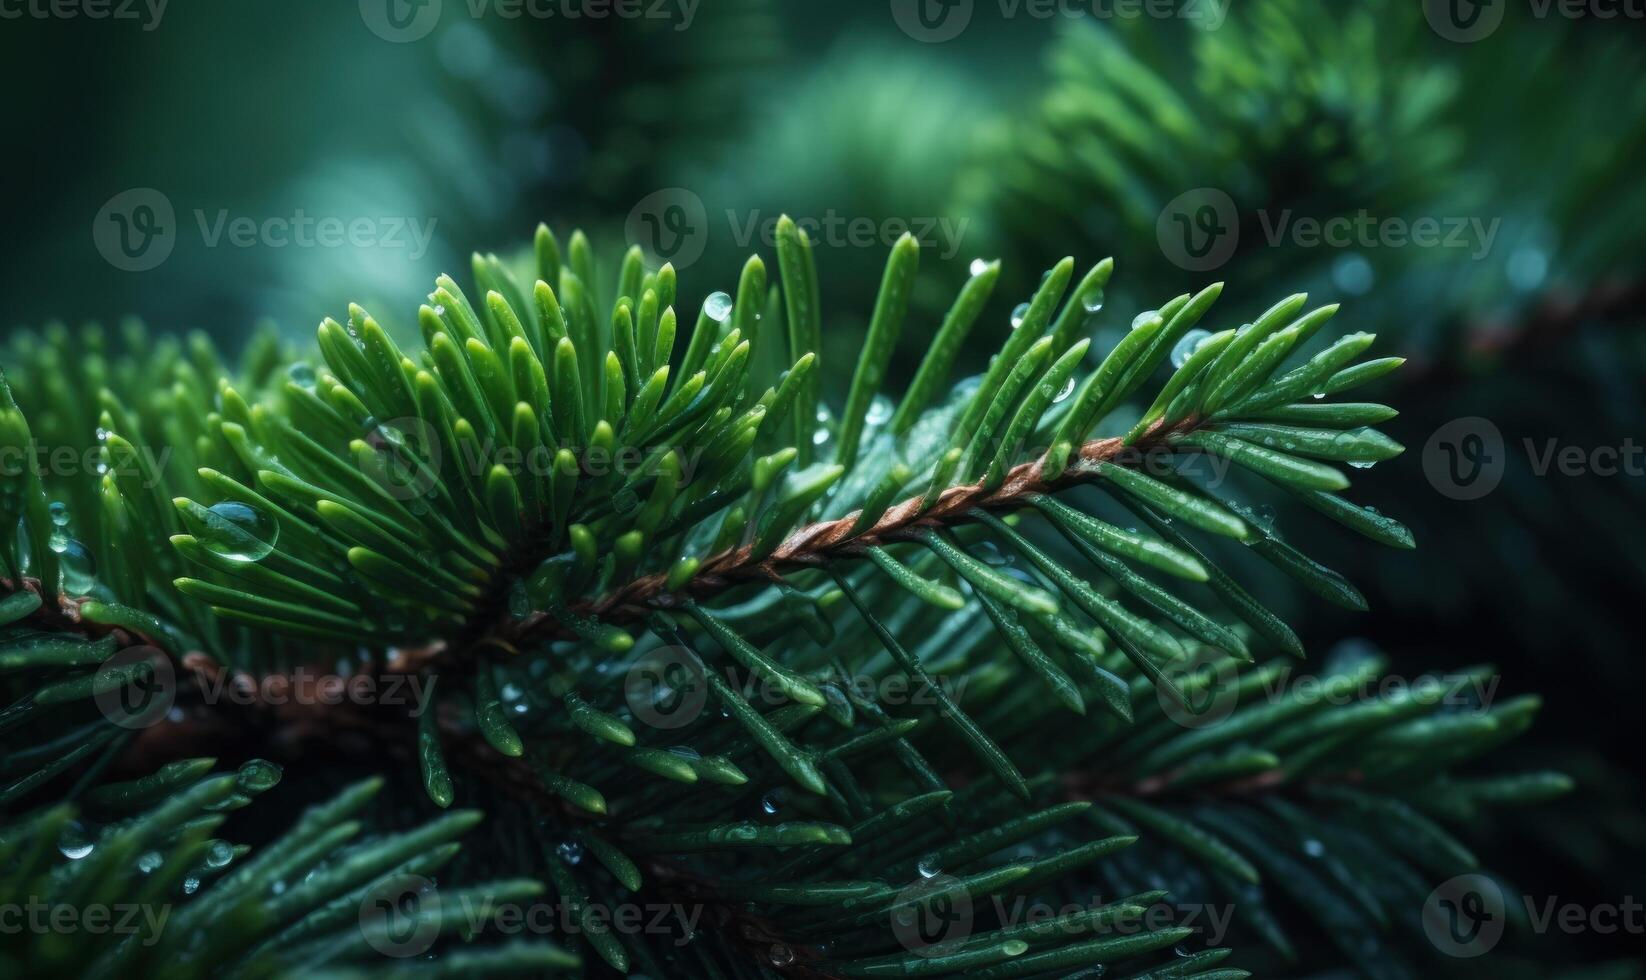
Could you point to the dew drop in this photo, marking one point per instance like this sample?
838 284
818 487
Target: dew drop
1363 464
718 306
1527 267
220 854
75 844
781 955
1068 389
1092 302
78 566
239 532
191 885
880 411
1186 346
979 266
24 546
989 553
1353 275
1144 317
820 437
1019 315
301 374
1314 848
150 861
771 802
928 867
258 775
59 513
570 852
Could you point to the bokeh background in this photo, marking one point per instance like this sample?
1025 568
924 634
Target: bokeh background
216 165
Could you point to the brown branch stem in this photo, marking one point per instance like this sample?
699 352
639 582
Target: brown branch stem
816 544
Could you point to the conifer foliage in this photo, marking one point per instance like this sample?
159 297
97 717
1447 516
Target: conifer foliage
690 631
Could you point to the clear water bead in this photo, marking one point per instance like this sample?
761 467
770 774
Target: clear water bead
1186 346
978 267
1353 274
718 306
240 532
220 854
1144 317
880 411
1019 314
78 567
75 843
59 513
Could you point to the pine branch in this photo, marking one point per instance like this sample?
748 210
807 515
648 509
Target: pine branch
530 600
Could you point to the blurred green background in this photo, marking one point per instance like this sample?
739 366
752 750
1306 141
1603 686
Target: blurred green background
1195 141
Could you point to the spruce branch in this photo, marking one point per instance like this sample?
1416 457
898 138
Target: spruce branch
531 600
